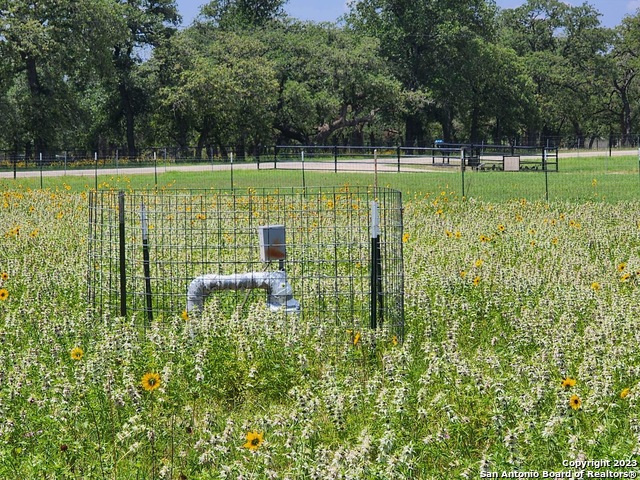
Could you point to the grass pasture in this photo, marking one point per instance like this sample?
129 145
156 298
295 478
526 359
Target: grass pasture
521 348
580 179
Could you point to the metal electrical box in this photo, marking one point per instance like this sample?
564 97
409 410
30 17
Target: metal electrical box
511 163
272 243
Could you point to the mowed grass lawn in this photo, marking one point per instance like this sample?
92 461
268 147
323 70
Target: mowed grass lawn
610 179
520 353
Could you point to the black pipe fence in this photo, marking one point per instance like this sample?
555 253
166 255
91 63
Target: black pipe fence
77 157
336 158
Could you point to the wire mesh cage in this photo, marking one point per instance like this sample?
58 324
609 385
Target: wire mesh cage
321 254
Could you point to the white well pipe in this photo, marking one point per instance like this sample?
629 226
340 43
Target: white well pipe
275 283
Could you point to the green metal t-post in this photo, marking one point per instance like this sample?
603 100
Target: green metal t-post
462 168
146 265
122 257
376 266
546 174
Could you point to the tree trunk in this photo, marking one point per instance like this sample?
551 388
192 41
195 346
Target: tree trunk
38 122
497 132
413 131
325 131
622 88
579 133
202 139
182 132
474 131
129 117
240 148
447 124
289 134
626 118
205 131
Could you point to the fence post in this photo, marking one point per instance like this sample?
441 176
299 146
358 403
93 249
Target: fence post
375 170
123 271
546 174
376 267
40 170
15 165
304 183
398 152
146 265
275 157
335 159
462 168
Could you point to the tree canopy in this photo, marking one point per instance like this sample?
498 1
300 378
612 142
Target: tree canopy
114 73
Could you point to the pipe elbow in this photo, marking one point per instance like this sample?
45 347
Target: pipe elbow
196 294
280 293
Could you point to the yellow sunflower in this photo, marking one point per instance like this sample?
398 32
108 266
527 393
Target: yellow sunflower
575 402
624 393
254 440
568 382
4 294
4 276
150 381
77 353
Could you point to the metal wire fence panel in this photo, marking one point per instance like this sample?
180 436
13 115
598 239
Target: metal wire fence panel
146 249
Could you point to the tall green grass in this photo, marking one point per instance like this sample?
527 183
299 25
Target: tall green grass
520 352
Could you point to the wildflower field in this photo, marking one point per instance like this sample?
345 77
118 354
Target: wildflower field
520 353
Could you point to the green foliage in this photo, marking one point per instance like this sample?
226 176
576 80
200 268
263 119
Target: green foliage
49 52
239 14
95 74
427 44
548 293
621 74
563 49
331 82
223 87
